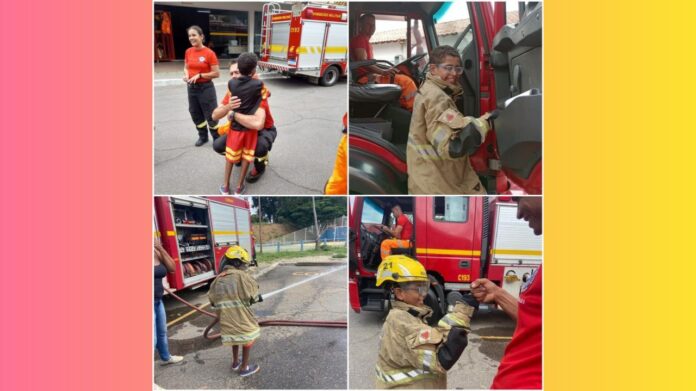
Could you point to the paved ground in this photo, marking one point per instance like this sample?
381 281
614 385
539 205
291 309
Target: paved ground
474 370
290 357
308 118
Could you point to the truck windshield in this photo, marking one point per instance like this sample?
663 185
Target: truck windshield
372 213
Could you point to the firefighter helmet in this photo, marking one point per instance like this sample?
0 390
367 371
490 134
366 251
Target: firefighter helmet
237 252
400 269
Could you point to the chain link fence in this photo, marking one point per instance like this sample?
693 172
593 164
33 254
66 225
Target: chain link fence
331 233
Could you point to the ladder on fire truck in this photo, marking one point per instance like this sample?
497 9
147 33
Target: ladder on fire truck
269 9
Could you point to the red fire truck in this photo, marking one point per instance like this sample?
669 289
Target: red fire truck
308 40
457 238
196 232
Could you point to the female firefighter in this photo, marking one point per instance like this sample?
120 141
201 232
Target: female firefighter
413 354
200 68
231 294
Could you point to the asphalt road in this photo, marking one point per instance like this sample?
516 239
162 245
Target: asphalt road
475 369
309 121
290 357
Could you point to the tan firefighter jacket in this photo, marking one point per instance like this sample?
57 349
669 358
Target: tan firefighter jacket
231 295
408 348
435 121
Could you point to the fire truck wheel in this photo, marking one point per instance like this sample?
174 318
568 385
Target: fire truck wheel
330 76
435 299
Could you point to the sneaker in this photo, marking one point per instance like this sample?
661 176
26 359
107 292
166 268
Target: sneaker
240 190
254 175
174 360
236 367
250 370
224 190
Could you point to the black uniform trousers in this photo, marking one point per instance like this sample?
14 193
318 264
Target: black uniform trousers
202 101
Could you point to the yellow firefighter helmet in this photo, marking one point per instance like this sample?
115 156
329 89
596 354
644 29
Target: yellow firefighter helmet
237 252
400 269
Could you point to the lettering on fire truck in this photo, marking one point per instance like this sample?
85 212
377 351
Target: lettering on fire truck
464 277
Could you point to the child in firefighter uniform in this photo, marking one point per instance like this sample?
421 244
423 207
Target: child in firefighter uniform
413 354
231 295
441 138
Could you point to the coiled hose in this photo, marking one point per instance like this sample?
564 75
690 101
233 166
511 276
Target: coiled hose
263 323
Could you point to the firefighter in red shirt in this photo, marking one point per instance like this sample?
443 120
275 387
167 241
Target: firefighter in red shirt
200 68
361 50
520 367
401 231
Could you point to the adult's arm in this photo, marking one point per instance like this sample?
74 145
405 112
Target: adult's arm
165 258
361 55
486 291
214 72
224 109
395 232
186 79
254 121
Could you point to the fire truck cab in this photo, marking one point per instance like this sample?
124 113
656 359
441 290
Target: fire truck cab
196 232
458 239
308 40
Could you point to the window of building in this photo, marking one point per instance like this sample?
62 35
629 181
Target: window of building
229 33
451 209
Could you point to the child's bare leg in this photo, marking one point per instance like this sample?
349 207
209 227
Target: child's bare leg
245 356
242 174
228 173
235 355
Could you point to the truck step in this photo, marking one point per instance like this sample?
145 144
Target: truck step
374 304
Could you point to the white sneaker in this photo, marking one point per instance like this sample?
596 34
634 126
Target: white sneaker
173 360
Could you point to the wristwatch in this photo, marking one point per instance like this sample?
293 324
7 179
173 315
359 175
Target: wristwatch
232 114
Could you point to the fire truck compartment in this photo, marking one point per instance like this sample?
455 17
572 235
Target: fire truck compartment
192 229
513 242
279 40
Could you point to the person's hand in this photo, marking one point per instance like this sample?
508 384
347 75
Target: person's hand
484 290
234 103
389 72
185 78
194 78
158 246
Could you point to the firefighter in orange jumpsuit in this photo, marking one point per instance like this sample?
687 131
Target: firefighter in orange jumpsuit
361 50
401 230
338 184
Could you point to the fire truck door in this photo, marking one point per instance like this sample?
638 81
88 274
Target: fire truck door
312 42
280 34
224 228
452 246
243 228
515 247
336 43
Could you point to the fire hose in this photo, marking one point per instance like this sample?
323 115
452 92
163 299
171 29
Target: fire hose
262 323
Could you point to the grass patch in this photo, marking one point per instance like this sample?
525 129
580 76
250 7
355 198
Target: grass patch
269 255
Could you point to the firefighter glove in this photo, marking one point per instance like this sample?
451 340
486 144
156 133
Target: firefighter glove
452 349
465 142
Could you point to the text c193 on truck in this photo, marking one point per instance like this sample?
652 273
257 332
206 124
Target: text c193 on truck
501 53
196 232
458 239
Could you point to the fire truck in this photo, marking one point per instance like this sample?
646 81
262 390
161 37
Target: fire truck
309 40
458 239
196 232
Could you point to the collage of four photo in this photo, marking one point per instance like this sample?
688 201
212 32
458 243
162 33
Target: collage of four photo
347 195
